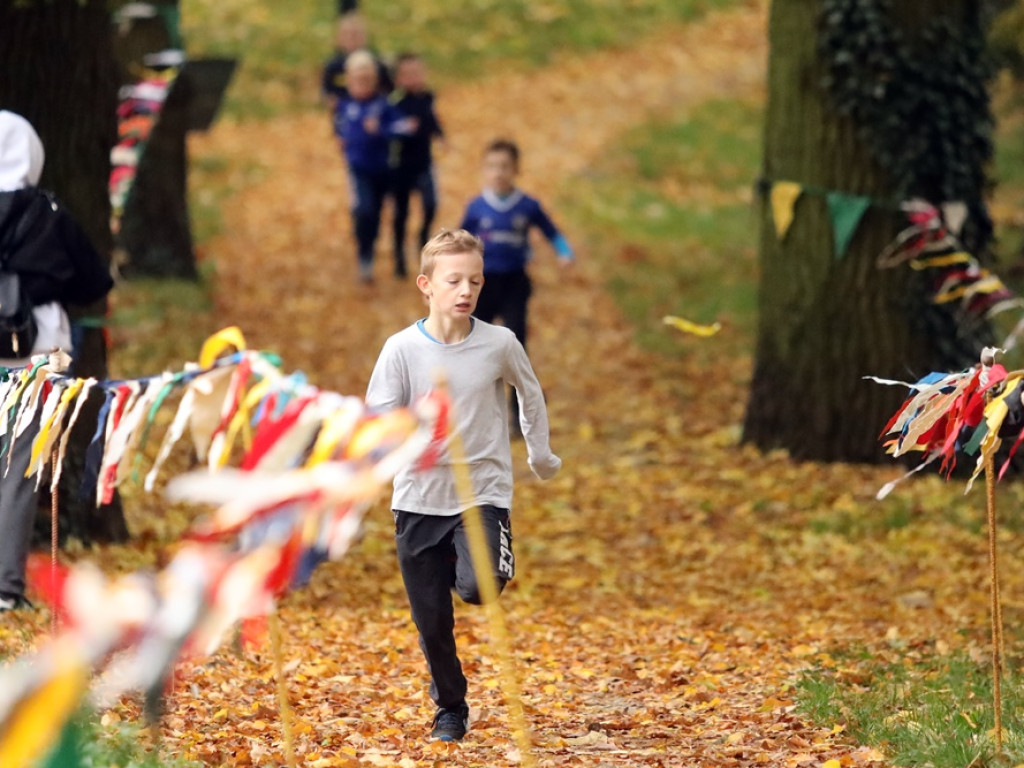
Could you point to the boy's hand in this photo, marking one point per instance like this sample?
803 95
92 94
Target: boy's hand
545 468
371 125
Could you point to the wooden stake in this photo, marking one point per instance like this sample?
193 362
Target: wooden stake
996 604
53 542
282 688
484 569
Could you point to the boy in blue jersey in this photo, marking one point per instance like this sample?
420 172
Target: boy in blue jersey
365 123
477 360
412 157
502 216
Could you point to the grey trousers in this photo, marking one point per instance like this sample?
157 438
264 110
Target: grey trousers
18 505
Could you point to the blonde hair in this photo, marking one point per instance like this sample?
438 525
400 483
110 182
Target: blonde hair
361 59
448 242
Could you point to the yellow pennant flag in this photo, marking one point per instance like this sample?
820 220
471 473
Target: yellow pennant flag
784 195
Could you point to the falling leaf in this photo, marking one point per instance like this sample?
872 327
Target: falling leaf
688 326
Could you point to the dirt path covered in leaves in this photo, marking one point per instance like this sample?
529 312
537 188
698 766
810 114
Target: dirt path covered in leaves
669 587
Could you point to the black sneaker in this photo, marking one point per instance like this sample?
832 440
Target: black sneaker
450 724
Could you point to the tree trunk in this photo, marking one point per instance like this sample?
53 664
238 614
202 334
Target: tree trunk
57 70
828 321
155 230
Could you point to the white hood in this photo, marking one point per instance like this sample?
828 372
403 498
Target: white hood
21 153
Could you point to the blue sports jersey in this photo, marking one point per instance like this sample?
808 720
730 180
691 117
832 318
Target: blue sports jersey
503 223
368 152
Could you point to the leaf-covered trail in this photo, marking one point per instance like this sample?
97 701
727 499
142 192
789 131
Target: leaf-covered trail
668 588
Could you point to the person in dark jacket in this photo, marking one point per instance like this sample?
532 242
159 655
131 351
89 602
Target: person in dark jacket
412 155
350 36
57 266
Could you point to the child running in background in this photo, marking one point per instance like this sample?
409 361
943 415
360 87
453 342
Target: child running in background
365 123
412 155
502 216
350 36
478 360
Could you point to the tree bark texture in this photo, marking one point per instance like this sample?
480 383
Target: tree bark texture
826 322
57 70
156 232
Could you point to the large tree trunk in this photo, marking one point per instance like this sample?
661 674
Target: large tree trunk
57 70
827 322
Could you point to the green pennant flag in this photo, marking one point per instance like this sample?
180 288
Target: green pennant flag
845 212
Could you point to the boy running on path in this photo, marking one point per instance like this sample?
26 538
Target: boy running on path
477 360
502 216
412 158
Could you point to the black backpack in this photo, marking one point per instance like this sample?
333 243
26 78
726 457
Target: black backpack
18 329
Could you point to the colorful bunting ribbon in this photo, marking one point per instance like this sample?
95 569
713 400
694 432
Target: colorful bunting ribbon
316 462
966 412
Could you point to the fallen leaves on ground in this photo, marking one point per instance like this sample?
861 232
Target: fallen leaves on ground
672 583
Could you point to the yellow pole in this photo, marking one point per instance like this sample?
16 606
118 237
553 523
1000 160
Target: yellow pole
282 688
996 606
484 569
987 361
54 517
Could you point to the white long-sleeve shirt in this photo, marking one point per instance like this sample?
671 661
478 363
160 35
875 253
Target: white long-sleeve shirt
476 370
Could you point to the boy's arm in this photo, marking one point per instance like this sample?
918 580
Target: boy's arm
435 122
533 414
91 278
551 232
395 123
469 220
387 389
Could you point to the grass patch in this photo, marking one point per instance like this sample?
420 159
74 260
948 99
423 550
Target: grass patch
928 711
282 46
85 743
679 238
1007 174
158 324
893 514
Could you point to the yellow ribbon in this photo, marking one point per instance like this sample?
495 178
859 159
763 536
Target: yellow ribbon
218 343
960 257
43 440
338 426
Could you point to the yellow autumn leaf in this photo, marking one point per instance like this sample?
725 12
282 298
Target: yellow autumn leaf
688 326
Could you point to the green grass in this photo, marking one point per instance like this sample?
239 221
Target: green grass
932 711
212 181
679 237
1008 176
282 46
158 324
84 743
